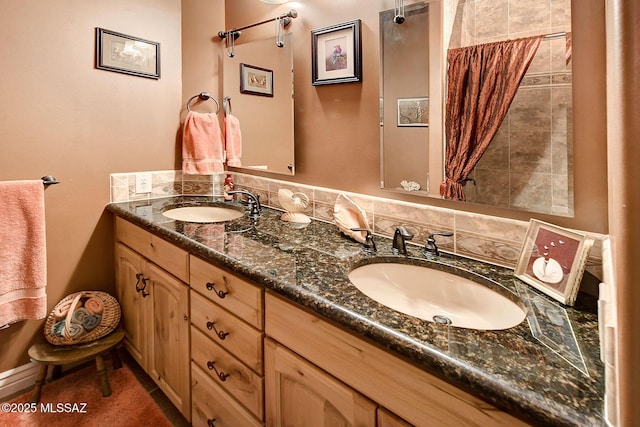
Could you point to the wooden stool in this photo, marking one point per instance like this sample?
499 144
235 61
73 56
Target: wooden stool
48 354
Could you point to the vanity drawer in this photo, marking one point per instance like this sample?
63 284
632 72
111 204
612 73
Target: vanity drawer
240 297
210 401
228 331
159 251
242 383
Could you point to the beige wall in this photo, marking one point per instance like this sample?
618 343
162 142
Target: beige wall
201 53
61 116
337 133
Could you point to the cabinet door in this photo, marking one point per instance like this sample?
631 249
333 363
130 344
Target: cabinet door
300 394
169 336
129 268
387 419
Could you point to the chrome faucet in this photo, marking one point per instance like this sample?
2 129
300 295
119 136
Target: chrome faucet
369 244
399 240
253 202
430 247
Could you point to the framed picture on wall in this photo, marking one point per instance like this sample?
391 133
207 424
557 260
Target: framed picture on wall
413 112
553 259
256 80
127 54
336 54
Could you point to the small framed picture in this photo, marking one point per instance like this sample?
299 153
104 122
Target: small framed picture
127 54
553 260
255 80
336 54
413 112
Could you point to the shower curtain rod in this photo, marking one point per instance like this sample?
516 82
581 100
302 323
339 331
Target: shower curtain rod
554 35
286 18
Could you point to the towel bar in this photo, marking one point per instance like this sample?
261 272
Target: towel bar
49 180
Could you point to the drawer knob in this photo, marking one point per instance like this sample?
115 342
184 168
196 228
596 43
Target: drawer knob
212 367
220 333
212 287
211 422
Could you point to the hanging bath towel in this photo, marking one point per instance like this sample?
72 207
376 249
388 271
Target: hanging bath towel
201 144
23 259
233 140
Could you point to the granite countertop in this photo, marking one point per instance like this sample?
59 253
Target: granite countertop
546 370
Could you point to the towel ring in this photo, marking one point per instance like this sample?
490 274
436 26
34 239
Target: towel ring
203 96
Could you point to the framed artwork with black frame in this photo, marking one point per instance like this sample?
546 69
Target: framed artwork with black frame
256 80
126 54
336 54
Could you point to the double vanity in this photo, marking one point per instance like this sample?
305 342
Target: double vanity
277 324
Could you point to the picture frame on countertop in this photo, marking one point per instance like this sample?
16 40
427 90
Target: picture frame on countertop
553 260
256 80
336 54
126 54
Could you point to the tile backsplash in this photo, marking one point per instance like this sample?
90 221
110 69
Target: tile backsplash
487 238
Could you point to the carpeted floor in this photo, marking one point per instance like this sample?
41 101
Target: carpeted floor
76 400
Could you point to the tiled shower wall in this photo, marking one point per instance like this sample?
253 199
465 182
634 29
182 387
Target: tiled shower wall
527 165
492 239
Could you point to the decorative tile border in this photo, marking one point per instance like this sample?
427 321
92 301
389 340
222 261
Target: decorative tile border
487 238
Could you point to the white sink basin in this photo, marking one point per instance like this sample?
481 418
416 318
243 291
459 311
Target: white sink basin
203 214
437 296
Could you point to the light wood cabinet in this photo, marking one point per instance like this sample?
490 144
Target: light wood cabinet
204 344
387 419
416 396
212 405
226 345
228 331
155 309
300 394
231 292
168 355
129 266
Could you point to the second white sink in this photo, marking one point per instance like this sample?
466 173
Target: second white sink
437 296
203 214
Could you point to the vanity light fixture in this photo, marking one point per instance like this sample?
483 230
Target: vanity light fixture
275 1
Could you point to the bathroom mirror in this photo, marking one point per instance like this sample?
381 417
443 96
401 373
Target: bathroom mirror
529 163
258 90
410 100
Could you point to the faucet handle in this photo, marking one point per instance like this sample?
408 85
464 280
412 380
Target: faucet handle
430 246
369 244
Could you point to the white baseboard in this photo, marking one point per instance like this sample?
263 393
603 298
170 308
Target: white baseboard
18 379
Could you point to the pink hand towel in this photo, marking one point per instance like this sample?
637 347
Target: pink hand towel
201 144
23 260
233 140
